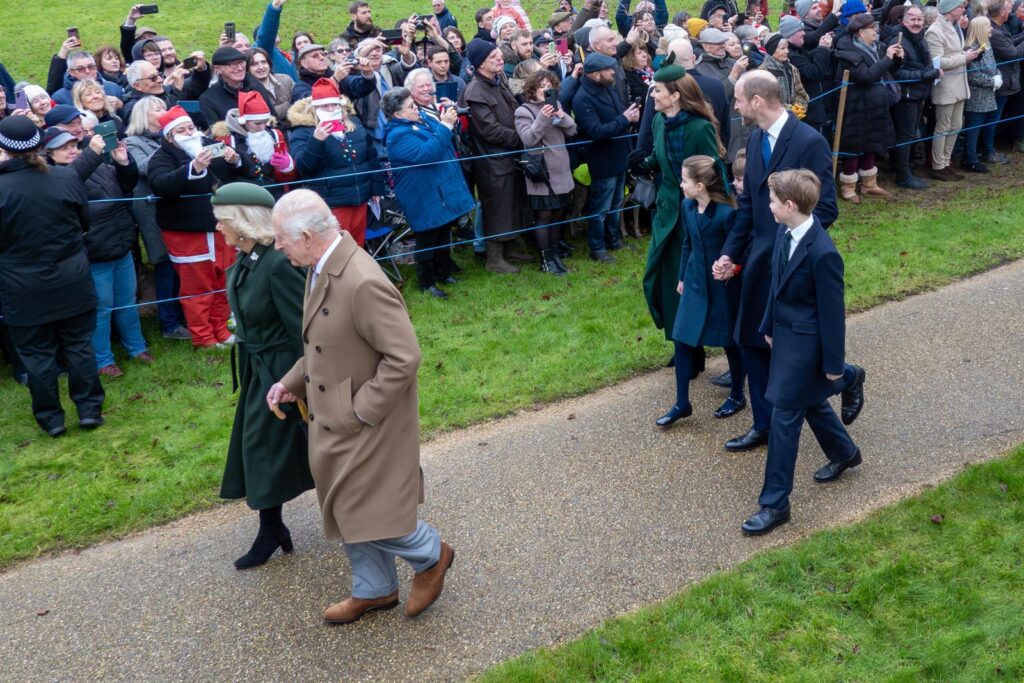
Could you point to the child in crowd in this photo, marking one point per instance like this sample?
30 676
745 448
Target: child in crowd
706 315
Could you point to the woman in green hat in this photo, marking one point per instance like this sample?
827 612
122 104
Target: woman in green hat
268 462
683 126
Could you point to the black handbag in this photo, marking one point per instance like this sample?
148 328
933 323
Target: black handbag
535 168
645 192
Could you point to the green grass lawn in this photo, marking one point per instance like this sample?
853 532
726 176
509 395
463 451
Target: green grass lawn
930 589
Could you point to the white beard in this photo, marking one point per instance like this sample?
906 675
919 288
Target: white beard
192 145
262 145
324 116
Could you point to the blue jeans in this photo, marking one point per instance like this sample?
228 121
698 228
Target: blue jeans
373 562
985 130
605 195
166 283
115 287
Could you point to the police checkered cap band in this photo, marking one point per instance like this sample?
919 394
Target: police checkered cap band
20 145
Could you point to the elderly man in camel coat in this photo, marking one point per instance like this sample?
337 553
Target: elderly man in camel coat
358 377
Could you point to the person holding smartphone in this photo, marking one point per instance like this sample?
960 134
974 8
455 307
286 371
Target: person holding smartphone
543 124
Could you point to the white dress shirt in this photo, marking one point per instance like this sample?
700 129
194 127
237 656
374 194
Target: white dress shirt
775 130
796 234
323 260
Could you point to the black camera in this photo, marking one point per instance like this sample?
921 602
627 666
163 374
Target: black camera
421 21
461 111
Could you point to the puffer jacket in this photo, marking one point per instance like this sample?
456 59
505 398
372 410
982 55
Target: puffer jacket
113 230
349 168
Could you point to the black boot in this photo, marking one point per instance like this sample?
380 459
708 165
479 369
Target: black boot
906 177
549 262
273 534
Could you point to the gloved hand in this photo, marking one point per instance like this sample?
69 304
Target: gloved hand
280 161
998 81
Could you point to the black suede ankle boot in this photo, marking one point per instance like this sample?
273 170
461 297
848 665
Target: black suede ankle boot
273 534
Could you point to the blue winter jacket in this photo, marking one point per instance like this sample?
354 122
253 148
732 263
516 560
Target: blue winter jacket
431 196
598 113
347 181
266 38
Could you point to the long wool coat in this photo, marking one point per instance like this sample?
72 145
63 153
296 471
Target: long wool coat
661 275
267 460
707 308
358 377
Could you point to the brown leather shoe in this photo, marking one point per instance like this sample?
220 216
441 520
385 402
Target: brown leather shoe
427 586
111 371
351 609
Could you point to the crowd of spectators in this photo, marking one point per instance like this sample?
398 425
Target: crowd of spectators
499 133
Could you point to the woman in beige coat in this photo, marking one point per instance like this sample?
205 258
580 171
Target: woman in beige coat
358 377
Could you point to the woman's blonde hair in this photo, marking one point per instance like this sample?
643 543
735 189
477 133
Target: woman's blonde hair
251 222
977 32
81 88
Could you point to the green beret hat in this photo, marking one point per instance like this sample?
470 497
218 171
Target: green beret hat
669 71
242 194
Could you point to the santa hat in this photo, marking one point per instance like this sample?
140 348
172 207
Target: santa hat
172 118
252 107
325 91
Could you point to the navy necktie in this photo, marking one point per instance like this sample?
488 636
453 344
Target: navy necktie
787 240
766 149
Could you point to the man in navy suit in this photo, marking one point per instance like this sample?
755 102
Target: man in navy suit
781 142
804 324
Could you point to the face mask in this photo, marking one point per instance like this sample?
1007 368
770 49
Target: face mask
192 145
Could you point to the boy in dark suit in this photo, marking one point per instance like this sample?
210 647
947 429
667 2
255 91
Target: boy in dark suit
805 325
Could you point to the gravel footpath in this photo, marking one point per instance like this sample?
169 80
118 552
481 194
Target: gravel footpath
561 518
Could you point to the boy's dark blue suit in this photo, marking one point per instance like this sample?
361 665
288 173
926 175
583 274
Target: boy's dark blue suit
805 316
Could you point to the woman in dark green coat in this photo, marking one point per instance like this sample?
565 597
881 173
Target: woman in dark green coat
683 126
268 462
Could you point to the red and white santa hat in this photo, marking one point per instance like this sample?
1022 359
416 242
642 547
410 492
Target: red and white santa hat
325 91
172 118
252 107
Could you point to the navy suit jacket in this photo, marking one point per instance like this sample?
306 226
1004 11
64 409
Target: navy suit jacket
806 318
753 233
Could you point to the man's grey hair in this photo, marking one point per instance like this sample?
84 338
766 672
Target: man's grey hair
745 31
134 72
76 55
416 74
683 50
305 210
335 44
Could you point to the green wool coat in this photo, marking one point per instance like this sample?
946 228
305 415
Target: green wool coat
268 463
661 275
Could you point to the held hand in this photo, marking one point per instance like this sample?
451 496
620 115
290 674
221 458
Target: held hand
67 46
97 144
723 268
323 131
280 161
202 162
279 394
342 71
768 339
548 111
679 288
833 378
449 115
120 154
230 155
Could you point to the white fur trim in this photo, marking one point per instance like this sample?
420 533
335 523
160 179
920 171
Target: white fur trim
175 123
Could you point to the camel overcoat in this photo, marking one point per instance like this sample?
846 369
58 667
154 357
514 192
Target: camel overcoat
358 378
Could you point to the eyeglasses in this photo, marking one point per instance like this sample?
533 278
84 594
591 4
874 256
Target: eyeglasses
155 78
89 67
343 51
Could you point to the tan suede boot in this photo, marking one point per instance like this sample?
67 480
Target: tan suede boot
848 188
870 187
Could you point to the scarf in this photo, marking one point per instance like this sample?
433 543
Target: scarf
675 143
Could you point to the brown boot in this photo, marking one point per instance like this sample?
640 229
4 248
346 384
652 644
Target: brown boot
848 188
514 253
496 262
427 586
870 187
351 609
